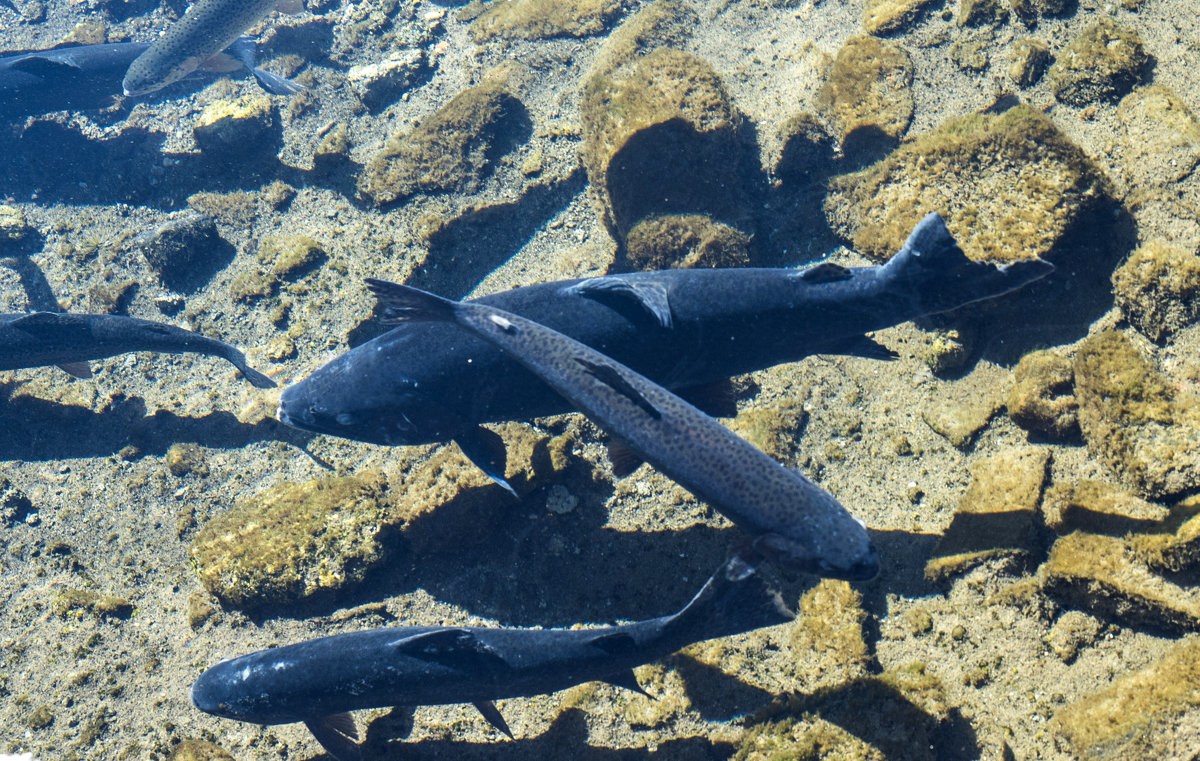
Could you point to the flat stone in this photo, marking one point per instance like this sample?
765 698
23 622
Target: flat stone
1099 574
1161 136
236 127
1100 508
1146 715
996 517
1175 547
964 408
382 83
1029 59
1135 419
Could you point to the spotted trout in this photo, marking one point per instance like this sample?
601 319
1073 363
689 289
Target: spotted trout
38 339
318 681
207 28
791 520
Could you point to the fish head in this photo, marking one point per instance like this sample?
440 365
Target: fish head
851 557
152 71
346 399
229 689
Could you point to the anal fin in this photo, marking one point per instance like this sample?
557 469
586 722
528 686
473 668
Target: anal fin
81 370
494 717
485 448
337 734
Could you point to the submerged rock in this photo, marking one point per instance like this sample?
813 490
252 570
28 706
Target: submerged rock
996 518
1135 419
1099 574
664 140
660 24
888 16
867 95
1099 508
1162 136
295 540
451 150
1175 546
1147 715
1103 63
1028 62
1158 289
185 251
540 19
1042 398
380 84
238 127
1009 186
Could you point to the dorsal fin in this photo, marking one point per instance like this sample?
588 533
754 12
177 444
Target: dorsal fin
650 295
451 647
824 272
609 376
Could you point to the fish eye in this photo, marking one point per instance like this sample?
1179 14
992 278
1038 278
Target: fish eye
344 418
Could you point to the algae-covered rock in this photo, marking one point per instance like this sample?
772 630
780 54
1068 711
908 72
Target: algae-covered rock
981 12
1147 715
685 240
1135 419
775 429
539 19
1029 58
238 127
1103 63
1099 508
13 227
660 24
185 459
1008 184
102 606
290 257
808 148
996 517
1175 546
451 150
1099 574
1042 398
1162 136
888 16
963 409
295 540
14 504
666 139
1158 289
1073 631
1029 10
867 94
828 636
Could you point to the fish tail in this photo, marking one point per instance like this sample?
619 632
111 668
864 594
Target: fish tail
932 269
403 303
735 600
256 379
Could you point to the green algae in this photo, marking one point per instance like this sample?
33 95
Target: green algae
1009 186
1100 508
685 241
775 429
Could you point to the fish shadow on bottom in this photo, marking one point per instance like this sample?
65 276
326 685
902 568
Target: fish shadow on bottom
33 429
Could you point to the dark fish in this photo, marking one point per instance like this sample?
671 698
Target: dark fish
89 76
319 680
207 28
38 339
682 328
791 520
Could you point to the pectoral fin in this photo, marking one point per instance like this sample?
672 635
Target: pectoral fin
81 370
486 449
862 346
44 66
337 735
627 680
624 460
492 714
613 290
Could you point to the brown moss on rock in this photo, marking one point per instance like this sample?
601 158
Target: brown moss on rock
1162 136
1009 186
295 540
1175 547
1099 574
1103 63
1158 289
685 241
775 429
1029 58
660 24
666 139
867 94
996 518
1135 419
449 151
540 19
1147 714
829 634
1042 396
236 127
85 600
290 257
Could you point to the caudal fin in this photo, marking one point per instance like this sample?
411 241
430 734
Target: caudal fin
403 303
734 600
932 269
